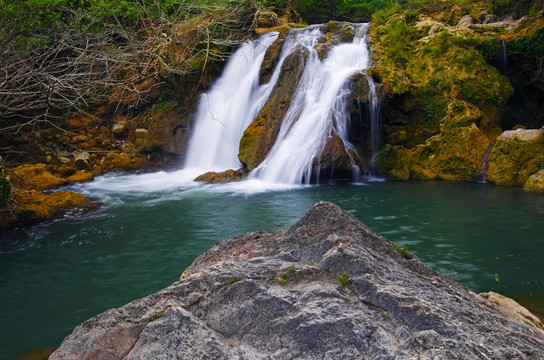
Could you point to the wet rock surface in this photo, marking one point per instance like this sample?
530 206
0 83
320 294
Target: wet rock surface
327 287
224 176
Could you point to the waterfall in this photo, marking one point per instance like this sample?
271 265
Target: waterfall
229 107
318 108
375 124
484 164
504 60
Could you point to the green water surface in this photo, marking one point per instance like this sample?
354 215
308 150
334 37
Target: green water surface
54 276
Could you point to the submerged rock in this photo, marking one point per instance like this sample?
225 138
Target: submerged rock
325 288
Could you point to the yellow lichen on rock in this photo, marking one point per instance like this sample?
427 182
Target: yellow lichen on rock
516 156
120 162
535 182
225 176
80 176
280 28
35 206
42 176
29 204
36 176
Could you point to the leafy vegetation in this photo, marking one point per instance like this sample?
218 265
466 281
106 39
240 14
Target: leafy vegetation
155 316
321 11
57 56
282 279
528 54
403 250
344 278
234 280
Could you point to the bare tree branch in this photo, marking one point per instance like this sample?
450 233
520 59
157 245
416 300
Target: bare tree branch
45 74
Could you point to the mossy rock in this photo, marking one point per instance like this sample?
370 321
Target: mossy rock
5 191
516 158
42 176
225 176
444 101
535 182
261 134
167 129
34 206
121 162
395 161
267 19
80 176
271 57
282 29
454 155
338 32
36 176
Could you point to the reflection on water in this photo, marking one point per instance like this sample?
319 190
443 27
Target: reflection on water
54 276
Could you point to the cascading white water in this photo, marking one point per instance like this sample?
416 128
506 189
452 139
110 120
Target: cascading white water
318 106
504 59
228 109
375 124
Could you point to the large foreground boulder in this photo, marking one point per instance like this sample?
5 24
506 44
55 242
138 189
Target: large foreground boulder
325 288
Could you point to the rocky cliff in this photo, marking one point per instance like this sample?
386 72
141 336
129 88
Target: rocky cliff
325 288
455 77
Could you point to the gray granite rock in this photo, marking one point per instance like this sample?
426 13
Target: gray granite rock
280 296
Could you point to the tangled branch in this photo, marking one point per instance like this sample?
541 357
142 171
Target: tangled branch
45 74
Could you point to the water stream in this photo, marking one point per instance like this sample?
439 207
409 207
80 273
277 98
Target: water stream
229 107
318 108
504 58
375 125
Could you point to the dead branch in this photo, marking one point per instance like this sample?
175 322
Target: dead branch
46 74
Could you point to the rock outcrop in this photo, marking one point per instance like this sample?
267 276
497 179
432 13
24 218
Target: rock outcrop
535 182
455 77
325 288
260 136
27 203
516 156
224 176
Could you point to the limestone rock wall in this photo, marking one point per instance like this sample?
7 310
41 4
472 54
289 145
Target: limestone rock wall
448 93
